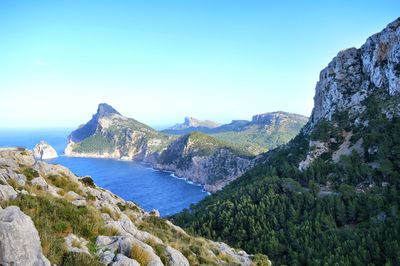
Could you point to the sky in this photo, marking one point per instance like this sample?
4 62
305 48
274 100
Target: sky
159 61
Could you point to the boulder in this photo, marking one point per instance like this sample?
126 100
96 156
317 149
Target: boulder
176 257
122 260
20 242
7 192
76 244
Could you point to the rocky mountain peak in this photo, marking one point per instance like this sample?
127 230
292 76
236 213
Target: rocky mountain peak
272 117
354 74
106 110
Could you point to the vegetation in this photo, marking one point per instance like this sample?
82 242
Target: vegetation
199 144
330 214
257 139
56 218
195 249
96 143
139 254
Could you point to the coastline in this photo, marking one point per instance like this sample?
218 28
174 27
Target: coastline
146 163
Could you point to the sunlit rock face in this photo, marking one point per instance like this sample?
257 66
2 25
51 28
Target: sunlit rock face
43 151
356 73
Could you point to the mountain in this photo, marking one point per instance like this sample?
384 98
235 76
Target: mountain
50 216
194 156
205 159
191 124
331 195
262 133
109 134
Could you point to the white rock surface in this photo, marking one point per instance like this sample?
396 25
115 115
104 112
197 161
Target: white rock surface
19 240
43 151
122 260
76 244
355 73
7 192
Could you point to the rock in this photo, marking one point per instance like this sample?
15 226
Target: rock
176 257
122 260
40 182
155 212
107 246
43 151
76 244
354 74
20 242
7 192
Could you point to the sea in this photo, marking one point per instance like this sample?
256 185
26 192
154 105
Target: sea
134 181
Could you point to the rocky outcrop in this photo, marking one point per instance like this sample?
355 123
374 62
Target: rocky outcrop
344 88
204 160
275 118
43 151
354 74
20 242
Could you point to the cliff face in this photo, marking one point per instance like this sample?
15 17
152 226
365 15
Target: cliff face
353 84
81 223
354 74
205 160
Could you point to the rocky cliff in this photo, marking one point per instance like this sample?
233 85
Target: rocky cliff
205 160
43 151
53 215
357 85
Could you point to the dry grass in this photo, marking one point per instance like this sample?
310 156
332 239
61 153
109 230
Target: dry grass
114 215
139 254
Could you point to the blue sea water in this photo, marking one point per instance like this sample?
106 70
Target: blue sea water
134 181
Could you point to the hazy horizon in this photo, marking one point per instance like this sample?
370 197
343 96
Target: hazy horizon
160 61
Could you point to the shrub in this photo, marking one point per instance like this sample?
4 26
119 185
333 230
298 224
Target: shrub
139 254
81 259
30 173
88 181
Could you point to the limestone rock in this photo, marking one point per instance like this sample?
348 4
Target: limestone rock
76 244
176 257
7 192
122 260
43 151
356 73
20 242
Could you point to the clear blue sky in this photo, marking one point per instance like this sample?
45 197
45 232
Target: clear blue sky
158 61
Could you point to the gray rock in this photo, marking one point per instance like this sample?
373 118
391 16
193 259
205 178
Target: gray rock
7 192
176 257
122 260
20 242
356 73
40 182
76 244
